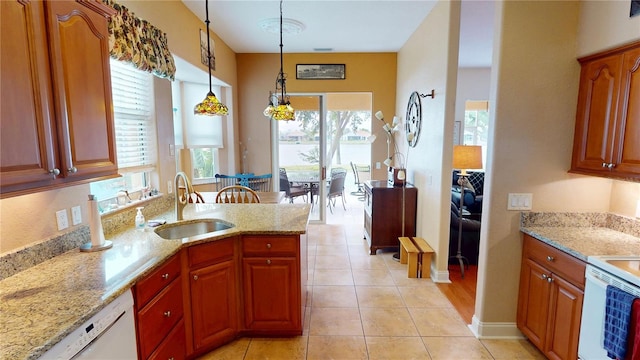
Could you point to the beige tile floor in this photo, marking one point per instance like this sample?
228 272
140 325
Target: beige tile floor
365 307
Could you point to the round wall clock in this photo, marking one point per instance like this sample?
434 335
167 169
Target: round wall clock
413 119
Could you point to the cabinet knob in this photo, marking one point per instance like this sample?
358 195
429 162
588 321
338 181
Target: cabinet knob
550 258
544 276
54 172
611 166
604 165
72 170
195 277
268 246
549 279
165 276
167 313
268 262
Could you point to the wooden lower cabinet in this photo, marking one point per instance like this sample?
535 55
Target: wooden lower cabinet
273 288
269 295
212 302
159 313
550 299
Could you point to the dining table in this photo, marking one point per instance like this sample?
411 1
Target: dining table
311 182
266 197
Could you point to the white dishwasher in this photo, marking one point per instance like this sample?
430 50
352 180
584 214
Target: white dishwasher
109 334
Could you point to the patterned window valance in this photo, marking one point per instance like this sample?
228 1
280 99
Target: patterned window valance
134 40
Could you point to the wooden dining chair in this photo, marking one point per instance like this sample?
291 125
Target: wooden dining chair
237 194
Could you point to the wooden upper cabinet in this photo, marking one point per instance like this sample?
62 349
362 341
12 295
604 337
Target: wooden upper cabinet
79 48
57 113
607 133
28 154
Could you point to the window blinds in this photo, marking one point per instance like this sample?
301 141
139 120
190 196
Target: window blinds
133 114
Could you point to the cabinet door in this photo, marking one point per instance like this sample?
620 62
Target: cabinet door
596 114
79 52
269 297
627 150
564 320
213 304
26 115
533 302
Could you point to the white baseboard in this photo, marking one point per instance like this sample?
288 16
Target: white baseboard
495 330
439 276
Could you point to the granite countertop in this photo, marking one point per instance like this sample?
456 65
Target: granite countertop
41 305
585 234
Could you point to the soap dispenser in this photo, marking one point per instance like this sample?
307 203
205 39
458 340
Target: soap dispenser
140 222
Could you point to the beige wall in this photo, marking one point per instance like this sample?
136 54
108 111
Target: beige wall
257 75
429 61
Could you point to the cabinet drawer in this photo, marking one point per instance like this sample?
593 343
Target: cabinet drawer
174 346
270 245
210 253
557 261
158 318
148 287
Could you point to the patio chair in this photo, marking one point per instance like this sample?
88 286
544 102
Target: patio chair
291 192
237 194
360 186
336 188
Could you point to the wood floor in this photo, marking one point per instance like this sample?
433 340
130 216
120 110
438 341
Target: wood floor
461 292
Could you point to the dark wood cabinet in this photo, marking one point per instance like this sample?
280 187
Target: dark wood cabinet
57 120
213 294
550 299
607 132
386 210
159 313
274 293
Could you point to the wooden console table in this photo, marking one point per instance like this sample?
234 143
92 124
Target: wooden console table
383 214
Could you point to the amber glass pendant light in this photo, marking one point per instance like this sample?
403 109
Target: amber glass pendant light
279 107
210 106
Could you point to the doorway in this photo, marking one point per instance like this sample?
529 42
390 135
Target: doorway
329 135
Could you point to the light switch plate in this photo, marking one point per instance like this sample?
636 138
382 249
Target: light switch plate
62 219
519 201
76 215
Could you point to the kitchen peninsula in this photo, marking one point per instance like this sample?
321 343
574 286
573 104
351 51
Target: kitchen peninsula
43 304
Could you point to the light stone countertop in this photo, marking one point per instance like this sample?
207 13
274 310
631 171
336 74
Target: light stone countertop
41 305
584 234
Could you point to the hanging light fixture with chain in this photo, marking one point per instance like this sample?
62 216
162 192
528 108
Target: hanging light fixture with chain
210 106
279 107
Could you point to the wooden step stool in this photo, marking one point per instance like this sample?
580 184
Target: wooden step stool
417 254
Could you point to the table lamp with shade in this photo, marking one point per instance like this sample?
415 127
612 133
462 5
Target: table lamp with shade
465 157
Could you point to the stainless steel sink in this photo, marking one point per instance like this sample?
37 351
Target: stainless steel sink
188 228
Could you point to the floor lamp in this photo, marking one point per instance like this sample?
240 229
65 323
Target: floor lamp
464 157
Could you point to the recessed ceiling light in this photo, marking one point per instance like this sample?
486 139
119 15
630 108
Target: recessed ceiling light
289 26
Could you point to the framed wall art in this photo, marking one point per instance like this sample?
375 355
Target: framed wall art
320 71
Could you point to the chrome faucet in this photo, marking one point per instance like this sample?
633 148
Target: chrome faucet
181 202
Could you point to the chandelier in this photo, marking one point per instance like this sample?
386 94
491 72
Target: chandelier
279 107
210 106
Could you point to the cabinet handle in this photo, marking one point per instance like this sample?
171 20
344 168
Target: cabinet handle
171 358
544 276
165 276
268 262
604 165
72 170
167 313
611 166
550 258
195 277
268 246
549 279
54 172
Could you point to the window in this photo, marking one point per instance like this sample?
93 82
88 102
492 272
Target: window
204 164
476 125
135 132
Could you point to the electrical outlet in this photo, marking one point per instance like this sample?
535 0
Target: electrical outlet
61 218
169 187
76 215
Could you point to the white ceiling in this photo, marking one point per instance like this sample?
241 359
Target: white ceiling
344 26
